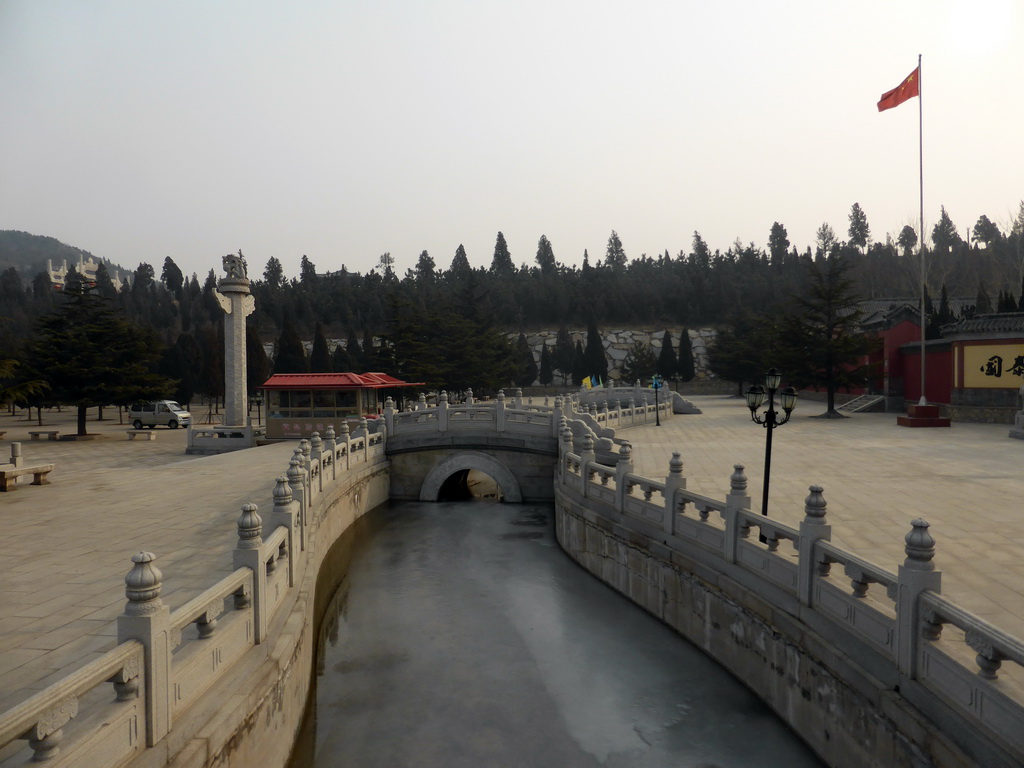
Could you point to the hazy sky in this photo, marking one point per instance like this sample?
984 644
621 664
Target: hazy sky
342 129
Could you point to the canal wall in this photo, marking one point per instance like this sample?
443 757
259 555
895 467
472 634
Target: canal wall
872 669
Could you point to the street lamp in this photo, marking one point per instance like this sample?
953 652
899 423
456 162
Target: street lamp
656 385
770 419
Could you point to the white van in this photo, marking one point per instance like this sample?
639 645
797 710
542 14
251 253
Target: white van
164 412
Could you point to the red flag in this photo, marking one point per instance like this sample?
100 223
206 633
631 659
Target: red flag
908 89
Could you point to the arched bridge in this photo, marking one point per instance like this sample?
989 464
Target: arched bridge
513 441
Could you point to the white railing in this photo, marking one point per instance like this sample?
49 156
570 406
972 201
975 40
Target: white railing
165 661
972 665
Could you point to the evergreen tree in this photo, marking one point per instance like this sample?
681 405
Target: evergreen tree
743 350
615 254
778 243
273 274
684 360
822 343
257 364
341 361
640 363
546 257
104 285
667 362
355 353
460 264
290 356
562 359
307 272
501 263
171 277
595 361
526 366
944 234
579 364
982 303
546 375
860 232
90 355
320 356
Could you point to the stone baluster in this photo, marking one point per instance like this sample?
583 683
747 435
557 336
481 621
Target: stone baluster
421 404
285 513
363 431
674 481
297 486
249 554
736 500
499 411
587 457
557 414
469 396
813 529
331 449
316 452
389 415
442 411
592 409
518 399
346 439
915 576
148 620
623 467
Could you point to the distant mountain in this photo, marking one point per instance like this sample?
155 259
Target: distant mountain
28 253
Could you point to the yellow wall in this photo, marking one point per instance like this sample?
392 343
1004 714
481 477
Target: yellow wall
993 366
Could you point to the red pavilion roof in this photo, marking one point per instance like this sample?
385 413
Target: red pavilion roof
373 380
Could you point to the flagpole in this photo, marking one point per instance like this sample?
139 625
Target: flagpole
920 156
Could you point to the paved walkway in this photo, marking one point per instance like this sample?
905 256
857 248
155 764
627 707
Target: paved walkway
967 481
68 545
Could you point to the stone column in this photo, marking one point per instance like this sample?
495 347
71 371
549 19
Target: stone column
235 299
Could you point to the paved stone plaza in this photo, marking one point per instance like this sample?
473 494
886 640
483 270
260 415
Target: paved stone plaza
69 543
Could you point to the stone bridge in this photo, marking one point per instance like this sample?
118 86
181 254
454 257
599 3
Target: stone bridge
876 668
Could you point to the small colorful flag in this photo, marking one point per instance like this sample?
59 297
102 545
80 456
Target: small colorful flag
586 383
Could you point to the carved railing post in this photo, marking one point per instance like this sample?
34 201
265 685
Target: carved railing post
499 411
623 467
469 396
346 438
556 417
389 415
421 402
587 457
284 514
248 554
442 411
316 452
734 502
298 492
331 449
813 529
674 481
916 575
517 400
148 620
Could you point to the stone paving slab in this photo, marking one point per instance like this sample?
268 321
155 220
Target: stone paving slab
68 544
966 480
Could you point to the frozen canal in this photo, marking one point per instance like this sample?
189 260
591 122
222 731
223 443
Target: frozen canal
463 636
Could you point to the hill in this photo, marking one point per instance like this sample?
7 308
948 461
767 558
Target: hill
28 253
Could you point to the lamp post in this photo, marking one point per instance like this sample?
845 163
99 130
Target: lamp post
770 419
656 385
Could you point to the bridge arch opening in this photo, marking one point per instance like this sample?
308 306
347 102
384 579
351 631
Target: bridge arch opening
469 474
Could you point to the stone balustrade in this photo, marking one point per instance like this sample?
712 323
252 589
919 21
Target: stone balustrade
909 652
167 664
869 666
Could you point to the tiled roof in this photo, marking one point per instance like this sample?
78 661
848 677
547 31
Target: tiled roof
373 380
1002 322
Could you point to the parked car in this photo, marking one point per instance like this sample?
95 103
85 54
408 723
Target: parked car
163 412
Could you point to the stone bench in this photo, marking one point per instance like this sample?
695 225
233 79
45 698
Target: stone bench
145 434
9 475
51 434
